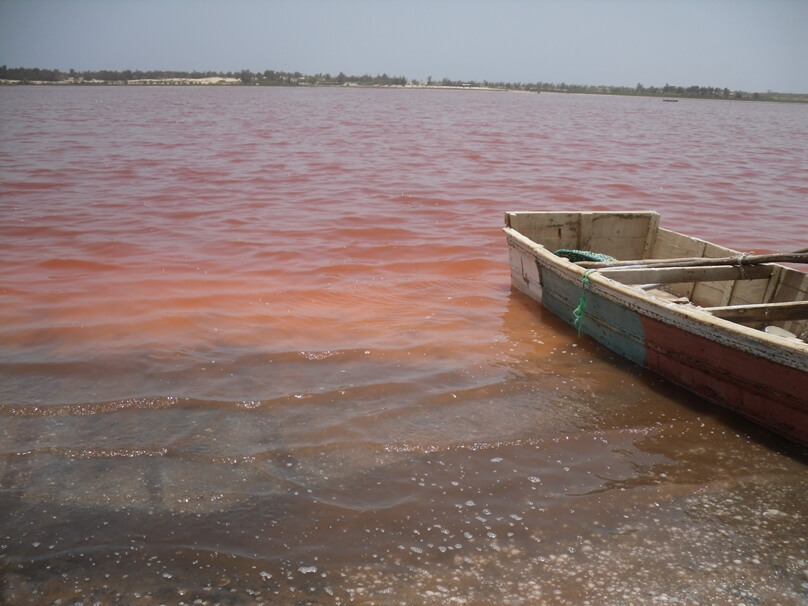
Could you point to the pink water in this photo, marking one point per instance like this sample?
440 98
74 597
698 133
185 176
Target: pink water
260 345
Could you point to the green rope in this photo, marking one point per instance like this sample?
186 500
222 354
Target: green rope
582 255
580 311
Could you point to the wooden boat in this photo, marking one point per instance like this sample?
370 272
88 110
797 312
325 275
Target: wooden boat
731 327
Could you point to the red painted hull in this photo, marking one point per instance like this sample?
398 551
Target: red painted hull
768 393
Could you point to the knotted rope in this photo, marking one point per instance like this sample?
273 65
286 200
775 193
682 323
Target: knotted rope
741 258
580 311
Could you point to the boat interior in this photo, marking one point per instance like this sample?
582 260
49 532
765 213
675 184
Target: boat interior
736 286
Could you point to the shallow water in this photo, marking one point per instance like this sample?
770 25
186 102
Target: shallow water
259 345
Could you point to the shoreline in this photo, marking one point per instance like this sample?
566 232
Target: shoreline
237 82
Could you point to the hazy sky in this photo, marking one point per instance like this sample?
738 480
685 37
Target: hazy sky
753 45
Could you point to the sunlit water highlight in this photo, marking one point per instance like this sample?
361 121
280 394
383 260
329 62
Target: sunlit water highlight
259 345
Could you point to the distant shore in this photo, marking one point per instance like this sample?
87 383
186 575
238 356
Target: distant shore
237 82
217 81
40 77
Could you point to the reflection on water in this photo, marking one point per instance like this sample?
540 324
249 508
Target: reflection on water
287 368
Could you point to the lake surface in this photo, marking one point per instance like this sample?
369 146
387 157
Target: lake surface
259 346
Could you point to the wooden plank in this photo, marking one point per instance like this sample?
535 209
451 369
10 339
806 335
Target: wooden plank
552 230
650 237
670 244
774 285
696 261
585 231
621 235
746 292
713 294
792 287
669 275
773 312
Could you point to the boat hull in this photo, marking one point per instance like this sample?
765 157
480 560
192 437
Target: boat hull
751 376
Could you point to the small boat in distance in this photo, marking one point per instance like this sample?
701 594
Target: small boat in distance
671 100
731 327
